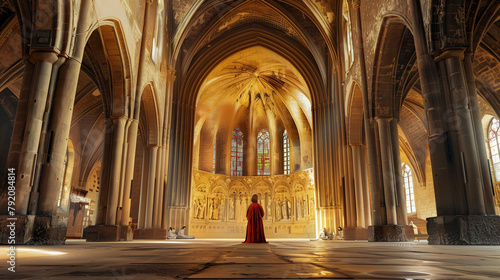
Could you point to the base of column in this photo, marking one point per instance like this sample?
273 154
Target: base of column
16 229
356 233
103 233
50 230
150 233
390 233
464 230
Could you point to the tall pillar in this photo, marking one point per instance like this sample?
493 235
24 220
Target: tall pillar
36 106
144 190
465 156
44 139
387 169
459 199
158 198
442 171
366 187
398 176
153 152
116 168
102 206
17 138
358 182
375 187
129 171
61 115
478 133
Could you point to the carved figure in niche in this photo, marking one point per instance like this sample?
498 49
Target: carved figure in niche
231 208
201 205
284 209
278 211
268 214
298 209
211 208
303 208
222 210
242 209
289 209
196 209
216 210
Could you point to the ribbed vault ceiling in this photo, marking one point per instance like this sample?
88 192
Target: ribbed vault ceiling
254 85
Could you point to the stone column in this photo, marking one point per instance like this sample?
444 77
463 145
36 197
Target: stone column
459 199
105 173
358 182
478 133
465 154
61 115
16 142
366 187
153 152
44 139
144 190
129 171
158 198
36 106
387 169
125 151
442 171
116 168
375 188
398 176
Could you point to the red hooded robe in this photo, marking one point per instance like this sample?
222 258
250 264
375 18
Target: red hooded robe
255 227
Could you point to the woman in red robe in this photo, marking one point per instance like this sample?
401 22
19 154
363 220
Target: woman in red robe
255 227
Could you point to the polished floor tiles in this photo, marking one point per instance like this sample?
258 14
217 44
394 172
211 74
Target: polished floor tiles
230 259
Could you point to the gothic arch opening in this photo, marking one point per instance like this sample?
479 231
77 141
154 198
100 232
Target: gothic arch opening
260 95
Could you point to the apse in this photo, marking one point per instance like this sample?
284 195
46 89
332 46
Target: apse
252 132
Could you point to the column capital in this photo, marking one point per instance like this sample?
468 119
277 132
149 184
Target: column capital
449 54
153 146
118 118
379 118
43 56
171 71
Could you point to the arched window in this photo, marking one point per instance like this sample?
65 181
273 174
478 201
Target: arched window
263 153
237 153
493 140
410 196
348 33
286 153
158 34
215 148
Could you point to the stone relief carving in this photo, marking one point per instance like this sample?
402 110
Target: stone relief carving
223 200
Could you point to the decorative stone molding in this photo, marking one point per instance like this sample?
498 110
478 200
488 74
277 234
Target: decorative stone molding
219 204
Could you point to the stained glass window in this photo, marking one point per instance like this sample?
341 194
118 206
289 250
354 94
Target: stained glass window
410 196
263 153
237 153
286 153
493 140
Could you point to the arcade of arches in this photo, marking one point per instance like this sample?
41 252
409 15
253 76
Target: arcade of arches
122 118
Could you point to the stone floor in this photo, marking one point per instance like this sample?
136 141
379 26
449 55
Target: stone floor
229 259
